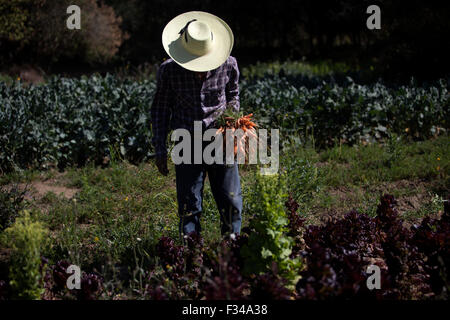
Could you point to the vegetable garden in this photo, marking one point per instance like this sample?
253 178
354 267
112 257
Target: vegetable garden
303 237
72 121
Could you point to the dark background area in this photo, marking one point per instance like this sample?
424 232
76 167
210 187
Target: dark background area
413 40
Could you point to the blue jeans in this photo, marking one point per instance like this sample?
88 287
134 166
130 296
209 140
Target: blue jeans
225 187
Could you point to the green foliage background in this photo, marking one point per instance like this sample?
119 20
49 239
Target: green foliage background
116 32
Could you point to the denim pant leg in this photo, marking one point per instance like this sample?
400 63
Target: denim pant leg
226 189
190 179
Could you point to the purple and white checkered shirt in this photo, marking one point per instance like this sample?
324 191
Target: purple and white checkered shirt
182 98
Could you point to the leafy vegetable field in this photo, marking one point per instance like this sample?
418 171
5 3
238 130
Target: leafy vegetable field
72 121
363 180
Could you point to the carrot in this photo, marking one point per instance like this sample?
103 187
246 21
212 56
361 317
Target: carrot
245 123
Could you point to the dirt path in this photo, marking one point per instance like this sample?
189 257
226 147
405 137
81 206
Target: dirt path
37 189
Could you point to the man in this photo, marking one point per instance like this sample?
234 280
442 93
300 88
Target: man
197 84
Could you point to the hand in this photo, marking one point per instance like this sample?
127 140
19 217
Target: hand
161 163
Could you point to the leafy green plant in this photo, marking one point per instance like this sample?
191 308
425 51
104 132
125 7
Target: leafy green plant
26 238
74 121
11 203
302 177
392 149
268 240
346 111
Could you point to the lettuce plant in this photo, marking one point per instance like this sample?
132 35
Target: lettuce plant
26 238
268 239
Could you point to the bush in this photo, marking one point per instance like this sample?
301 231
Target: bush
26 238
16 19
37 28
98 41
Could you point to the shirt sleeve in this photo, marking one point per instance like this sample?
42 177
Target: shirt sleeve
160 112
232 87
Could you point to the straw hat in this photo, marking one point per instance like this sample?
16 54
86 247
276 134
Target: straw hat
198 41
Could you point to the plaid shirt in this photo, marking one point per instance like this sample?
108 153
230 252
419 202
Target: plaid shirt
182 97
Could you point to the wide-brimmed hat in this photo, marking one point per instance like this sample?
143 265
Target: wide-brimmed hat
198 41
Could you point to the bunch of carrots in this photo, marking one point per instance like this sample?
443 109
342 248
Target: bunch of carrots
234 122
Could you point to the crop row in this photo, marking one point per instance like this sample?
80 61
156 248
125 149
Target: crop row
347 112
412 264
71 121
